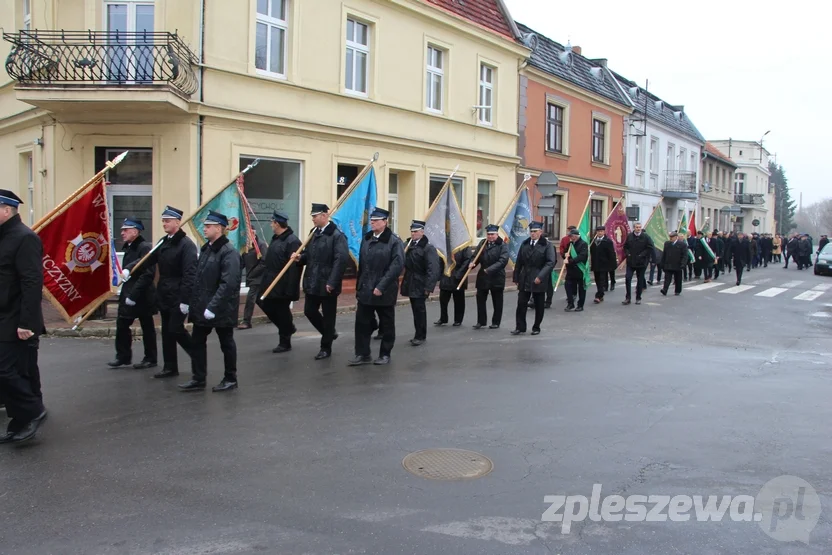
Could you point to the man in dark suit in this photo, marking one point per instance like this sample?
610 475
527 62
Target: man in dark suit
638 248
421 272
741 254
491 277
277 304
575 285
535 261
602 261
674 258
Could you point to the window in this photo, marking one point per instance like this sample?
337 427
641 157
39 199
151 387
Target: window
131 188
273 184
724 179
554 128
270 44
639 151
435 79
393 200
598 131
739 183
27 15
683 160
654 155
436 183
693 161
551 224
130 60
358 52
483 206
596 214
671 149
486 94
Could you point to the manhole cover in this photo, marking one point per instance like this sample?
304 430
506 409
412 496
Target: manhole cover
447 464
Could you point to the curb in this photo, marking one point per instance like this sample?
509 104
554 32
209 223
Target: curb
110 331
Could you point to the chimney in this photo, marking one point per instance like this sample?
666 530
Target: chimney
576 50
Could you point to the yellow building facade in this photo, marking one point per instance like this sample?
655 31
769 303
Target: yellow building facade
197 90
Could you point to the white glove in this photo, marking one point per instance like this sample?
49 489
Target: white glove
183 308
209 315
130 302
125 274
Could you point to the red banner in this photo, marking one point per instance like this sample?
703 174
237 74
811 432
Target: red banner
77 268
618 227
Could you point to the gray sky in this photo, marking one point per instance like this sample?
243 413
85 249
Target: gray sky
739 67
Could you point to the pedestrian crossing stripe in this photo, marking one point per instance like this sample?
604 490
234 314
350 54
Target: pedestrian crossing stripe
737 289
771 292
704 286
808 296
760 281
791 284
822 287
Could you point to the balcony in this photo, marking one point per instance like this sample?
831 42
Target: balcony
57 70
749 199
679 184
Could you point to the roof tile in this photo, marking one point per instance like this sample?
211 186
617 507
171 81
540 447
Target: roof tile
486 13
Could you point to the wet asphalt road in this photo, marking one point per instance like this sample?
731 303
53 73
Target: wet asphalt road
706 393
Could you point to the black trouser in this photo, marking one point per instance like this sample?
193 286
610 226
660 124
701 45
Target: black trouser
173 332
576 287
420 317
709 270
740 268
199 352
641 284
676 277
364 320
766 259
459 305
324 321
279 313
718 268
612 280
698 266
20 380
124 338
730 264
496 304
522 302
601 283
653 268
550 290
251 300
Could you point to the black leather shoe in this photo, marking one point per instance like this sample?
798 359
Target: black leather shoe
638 301
382 360
118 364
517 332
547 305
334 337
6 437
677 294
493 327
625 301
612 287
417 342
579 309
224 385
144 365
439 323
479 326
192 385
457 324
569 308
29 429
359 360
664 292
166 373
322 355
281 349
535 332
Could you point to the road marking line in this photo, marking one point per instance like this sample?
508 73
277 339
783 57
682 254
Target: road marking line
737 289
822 287
791 284
760 281
704 286
808 296
772 292
821 315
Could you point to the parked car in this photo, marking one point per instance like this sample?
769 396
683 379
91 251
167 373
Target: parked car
823 264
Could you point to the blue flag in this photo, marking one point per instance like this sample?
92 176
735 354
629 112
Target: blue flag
230 203
114 262
353 216
516 224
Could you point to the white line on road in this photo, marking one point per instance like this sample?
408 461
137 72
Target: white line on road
760 281
704 286
822 287
791 284
808 296
822 315
737 289
772 292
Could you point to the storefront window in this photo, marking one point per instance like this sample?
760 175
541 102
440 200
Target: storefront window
272 185
483 206
129 189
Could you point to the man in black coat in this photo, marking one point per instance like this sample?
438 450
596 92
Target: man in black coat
574 276
380 263
638 248
767 244
176 259
674 258
718 246
215 304
741 254
137 299
793 250
491 277
421 272
602 261
704 261
277 304
325 258
21 322
448 288
254 264
692 269
824 240
535 261
804 253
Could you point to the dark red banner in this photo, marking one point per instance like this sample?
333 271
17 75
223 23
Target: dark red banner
618 227
77 267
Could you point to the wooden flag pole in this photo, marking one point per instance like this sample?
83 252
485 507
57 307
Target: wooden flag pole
95 179
523 187
338 204
566 258
89 313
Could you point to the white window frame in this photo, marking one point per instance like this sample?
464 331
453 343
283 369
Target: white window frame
132 49
435 73
270 22
604 119
638 152
357 49
739 183
484 88
30 185
393 200
27 15
683 159
670 156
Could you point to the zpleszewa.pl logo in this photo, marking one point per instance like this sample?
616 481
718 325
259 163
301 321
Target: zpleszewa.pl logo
787 508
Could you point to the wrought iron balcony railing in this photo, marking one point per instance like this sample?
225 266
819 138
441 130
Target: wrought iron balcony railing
101 58
749 198
677 181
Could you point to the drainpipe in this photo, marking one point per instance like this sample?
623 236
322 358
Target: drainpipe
201 121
